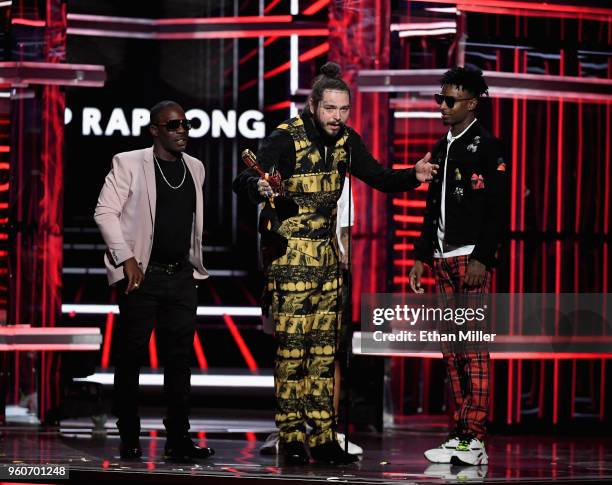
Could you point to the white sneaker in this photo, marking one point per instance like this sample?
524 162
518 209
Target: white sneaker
270 446
443 453
470 452
353 449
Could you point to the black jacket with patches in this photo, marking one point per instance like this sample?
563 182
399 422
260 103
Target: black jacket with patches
278 151
477 196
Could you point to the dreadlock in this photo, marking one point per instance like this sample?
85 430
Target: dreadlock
467 78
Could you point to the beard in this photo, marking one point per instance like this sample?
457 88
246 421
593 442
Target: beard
328 138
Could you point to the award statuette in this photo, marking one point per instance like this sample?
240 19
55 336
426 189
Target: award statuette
273 178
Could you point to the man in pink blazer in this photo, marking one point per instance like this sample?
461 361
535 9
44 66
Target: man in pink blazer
150 214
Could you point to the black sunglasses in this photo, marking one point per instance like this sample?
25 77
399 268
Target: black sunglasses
449 100
173 125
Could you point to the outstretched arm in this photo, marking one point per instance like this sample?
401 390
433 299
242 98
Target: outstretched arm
366 168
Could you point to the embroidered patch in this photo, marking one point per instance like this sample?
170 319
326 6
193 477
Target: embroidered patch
458 193
477 182
501 165
457 174
472 147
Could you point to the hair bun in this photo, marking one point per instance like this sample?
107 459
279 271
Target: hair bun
331 69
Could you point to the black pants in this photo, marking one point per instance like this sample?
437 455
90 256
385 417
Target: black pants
169 303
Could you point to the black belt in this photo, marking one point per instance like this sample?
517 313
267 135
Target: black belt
168 268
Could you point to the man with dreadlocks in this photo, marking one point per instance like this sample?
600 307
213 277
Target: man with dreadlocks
465 220
312 153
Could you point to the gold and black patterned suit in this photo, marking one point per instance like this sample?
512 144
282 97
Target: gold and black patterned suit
305 284
300 255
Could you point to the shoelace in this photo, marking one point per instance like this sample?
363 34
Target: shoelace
464 445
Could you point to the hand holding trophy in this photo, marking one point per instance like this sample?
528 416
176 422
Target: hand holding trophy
270 184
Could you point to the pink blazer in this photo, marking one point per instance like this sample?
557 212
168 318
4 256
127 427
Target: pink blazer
125 212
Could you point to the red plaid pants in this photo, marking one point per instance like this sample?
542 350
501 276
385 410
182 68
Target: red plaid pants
468 372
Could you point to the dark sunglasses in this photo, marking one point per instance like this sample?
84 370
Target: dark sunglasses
449 100
173 125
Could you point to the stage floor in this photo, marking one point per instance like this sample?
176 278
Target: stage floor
390 457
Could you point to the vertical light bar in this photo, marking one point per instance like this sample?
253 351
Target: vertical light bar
602 392
260 65
541 389
510 387
294 64
199 351
521 245
154 361
405 159
573 390
606 228
578 195
108 335
559 218
242 346
235 80
376 149
515 191
293 111
295 7
546 191
491 391
606 222
555 417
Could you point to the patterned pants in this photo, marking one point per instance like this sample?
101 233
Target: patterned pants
468 372
306 292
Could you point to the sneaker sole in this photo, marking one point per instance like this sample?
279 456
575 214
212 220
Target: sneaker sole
455 460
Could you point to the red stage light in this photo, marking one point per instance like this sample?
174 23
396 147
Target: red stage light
528 9
244 349
199 351
271 5
108 335
315 7
253 19
409 203
154 362
409 219
403 247
28 22
306 56
193 28
277 106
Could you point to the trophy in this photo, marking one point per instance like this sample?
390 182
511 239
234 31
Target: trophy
273 178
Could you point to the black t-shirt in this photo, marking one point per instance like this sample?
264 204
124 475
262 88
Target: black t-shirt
174 211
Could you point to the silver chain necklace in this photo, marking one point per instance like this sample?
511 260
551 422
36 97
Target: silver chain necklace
164 177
